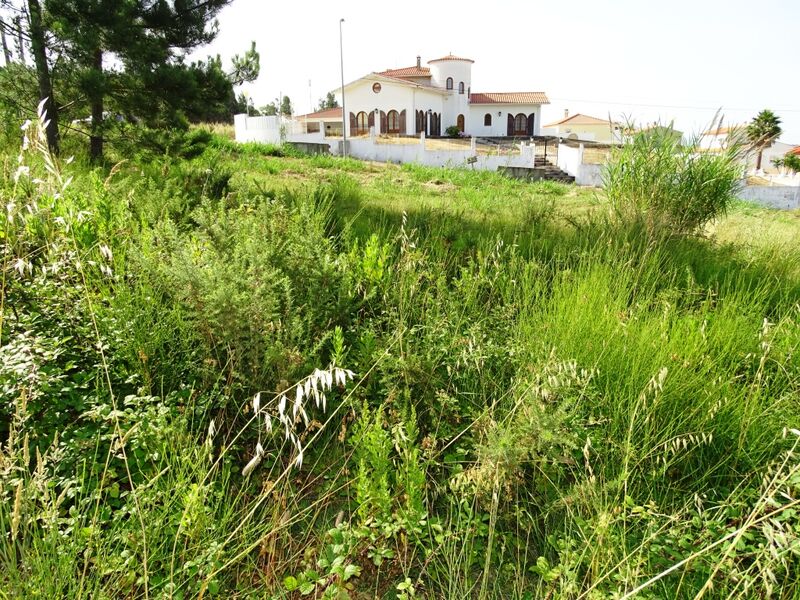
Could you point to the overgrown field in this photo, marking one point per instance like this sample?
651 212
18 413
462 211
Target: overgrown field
227 372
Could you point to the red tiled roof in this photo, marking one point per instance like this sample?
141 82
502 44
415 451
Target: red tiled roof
579 119
409 82
328 113
450 57
414 71
795 150
509 98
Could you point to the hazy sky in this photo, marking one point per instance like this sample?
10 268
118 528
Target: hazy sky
680 60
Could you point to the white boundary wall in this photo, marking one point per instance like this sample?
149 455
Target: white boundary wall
571 160
772 196
275 130
266 130
369 149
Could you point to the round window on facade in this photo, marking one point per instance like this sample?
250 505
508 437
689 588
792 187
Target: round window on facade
376 87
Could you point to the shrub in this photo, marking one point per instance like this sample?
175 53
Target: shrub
453 131
790 161
669 188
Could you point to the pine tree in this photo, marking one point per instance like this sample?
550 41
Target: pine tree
144 36
39 51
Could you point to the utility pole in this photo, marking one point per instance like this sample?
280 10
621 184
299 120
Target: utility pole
344 113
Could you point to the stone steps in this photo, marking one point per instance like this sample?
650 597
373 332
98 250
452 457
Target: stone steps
545 173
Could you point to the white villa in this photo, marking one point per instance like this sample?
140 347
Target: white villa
415 100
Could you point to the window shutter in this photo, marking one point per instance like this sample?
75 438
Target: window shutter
352 123
531 117
403 122
371 119
383 122
510 124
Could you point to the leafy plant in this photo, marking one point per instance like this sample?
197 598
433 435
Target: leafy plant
666 188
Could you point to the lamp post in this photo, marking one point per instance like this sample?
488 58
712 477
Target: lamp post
344 113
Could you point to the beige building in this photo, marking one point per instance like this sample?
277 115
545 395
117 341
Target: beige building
585 127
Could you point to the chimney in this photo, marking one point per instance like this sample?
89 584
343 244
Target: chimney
566 113
419 61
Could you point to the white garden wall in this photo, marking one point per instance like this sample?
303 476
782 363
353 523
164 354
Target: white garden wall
772 196
268 130
369 149
570 159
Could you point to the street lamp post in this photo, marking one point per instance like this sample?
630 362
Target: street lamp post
344 113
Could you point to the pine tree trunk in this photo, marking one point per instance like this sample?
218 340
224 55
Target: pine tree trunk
43 73
20 43
96 103
6 51
758 159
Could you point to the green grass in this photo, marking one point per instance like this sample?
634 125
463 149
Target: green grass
547 403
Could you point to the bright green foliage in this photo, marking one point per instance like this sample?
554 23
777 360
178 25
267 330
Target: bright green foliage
764 129
372 448
667 188
546 404
790 161
247 67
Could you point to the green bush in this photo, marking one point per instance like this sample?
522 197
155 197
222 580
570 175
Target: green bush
669 188
453 131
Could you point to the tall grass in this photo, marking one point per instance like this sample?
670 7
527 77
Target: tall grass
669 187
542 407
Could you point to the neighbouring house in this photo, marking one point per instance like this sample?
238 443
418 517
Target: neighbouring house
328 120
776 150
719 138
585 127
415 100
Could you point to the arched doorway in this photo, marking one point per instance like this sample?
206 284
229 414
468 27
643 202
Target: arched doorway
362 124
434 122
393 122
460 123
420 121
520 124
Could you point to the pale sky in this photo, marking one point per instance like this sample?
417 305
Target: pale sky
680 60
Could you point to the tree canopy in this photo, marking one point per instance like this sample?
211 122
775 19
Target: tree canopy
329 101
124 58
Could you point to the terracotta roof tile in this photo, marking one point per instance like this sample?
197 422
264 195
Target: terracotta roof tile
509 98
409 82
450 57
413 71
579 119
323 114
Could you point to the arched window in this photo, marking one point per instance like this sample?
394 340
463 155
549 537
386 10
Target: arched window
460 123
393 122
487 120
460 87
449 83
521 124
362 124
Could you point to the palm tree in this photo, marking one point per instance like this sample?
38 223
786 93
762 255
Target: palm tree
762 131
